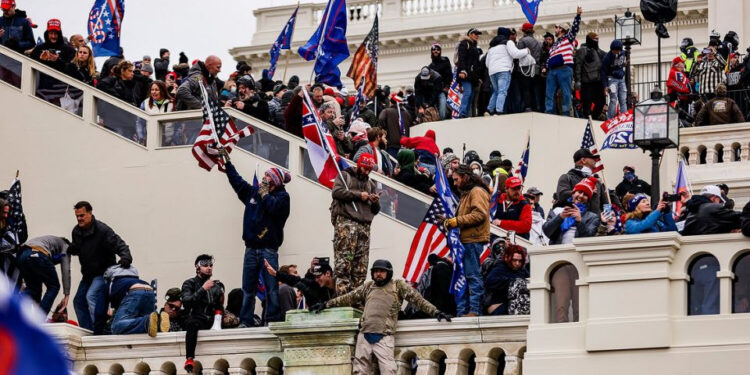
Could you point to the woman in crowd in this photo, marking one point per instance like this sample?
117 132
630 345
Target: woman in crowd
82 67
570 218
408 173
160 101
643 219
505 285
126 86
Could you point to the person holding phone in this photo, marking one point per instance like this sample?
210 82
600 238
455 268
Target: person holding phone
572 217
54 52
641 218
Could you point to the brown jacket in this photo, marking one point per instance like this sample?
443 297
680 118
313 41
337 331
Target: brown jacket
388 120
343 198
474 216
719 111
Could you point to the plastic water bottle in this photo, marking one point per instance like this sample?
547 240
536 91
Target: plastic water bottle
217 321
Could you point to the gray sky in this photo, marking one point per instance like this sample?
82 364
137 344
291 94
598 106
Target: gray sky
199 28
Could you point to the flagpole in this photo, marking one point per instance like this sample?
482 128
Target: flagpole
204 92
604 179
288 52
322 35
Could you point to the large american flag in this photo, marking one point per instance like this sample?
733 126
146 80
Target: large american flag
588 143
16 217
429 239
365 62
218 131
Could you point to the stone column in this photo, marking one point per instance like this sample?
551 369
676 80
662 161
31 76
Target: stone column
157 372
456 366
744 152
403 367
710 155
512 365
237 371
320 343
485 366
211 371
693 157
266 371
427 367
728 155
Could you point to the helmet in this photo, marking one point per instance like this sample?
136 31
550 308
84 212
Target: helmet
471 156
246 81
714 34
384 265
686 42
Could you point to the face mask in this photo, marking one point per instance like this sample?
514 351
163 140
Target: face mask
233 90
477 172
629 176
586 171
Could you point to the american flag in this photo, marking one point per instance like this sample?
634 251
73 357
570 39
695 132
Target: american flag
218 131
365 62
429 239
454 96
523 165
589 144
360 98
320 149
105 25
16 217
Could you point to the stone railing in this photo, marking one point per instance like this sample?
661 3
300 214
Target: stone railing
306 344
659 293
715 144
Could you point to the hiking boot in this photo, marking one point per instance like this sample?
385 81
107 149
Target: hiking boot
189 364
153 324
163 322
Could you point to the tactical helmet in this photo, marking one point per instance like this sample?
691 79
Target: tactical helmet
384 265
471 156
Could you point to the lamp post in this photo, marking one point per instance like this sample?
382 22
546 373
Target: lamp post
628 31
655 128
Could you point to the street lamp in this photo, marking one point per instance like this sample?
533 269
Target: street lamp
628 31
655 128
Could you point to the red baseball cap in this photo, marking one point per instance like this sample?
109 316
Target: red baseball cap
512 182
7 4
526 27
54 24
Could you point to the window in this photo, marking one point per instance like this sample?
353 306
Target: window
564 294
741 285
703 288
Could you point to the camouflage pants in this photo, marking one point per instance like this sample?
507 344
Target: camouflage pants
351 248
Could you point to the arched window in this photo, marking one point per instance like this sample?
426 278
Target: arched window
741 285
563 294
703 288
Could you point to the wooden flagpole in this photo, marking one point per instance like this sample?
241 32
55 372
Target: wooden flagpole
604 179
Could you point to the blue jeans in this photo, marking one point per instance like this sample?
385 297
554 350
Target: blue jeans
618 93
500 83
85 301
472 298
442 105
37 269
133 313
466 99
252 267
559 78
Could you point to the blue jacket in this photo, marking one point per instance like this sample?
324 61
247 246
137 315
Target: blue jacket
112 294
613 66
264 219
18 35
499 280
655 222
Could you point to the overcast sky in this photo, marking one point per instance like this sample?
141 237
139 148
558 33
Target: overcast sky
197 27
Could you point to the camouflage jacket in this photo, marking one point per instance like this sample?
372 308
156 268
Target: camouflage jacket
382 304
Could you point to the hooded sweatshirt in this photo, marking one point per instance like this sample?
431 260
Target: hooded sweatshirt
502 52
425 147
18 35
65 52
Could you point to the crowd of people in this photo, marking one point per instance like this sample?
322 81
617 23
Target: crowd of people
515 75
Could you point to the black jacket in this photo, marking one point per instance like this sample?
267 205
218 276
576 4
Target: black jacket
427 91
745 220
588 62
498 281
636 186
468 59
200 303
96 247
65 52
415 180
80 73
442 65
568 181
161 68
132 91
706 217
257 108
313 292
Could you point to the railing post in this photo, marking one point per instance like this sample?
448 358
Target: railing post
211 371
237 371
427 367
485 366
391 9
693 157
710 155
728 154
512 365
456 366
27 78
265 370
403 367
152 133
744 152
725 291
157 372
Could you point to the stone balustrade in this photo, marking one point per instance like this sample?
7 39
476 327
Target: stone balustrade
306 344
716 144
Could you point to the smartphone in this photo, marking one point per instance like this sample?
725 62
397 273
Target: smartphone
568 204
607 209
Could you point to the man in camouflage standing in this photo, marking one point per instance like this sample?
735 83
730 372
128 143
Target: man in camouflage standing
355 204
382 298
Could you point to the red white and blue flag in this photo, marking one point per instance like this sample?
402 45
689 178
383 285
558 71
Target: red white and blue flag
105 24
530 9
454 96
284 41
681 186
360 98
619 131
429 239
25 347
320 149
218 131
588 143
523 165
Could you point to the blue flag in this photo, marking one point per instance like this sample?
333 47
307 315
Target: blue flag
25 347
105 24
523 165
284 41
260 289
530 8
360 98
328 46
458 281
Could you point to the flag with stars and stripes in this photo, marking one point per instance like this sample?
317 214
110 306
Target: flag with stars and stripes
365 62
360 98
429 239
589 144
454 96
523 164
105 24
218 131
320 145
16 217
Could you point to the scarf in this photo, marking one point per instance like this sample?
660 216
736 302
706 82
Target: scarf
569 222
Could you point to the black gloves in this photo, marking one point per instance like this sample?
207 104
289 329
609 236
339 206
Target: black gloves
318 307
124 263
441 315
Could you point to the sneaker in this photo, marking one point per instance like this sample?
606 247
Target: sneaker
163 322
189 364
153 324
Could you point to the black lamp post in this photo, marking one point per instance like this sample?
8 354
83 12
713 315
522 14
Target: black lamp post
628 31
655 128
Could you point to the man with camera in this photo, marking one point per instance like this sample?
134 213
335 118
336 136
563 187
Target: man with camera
249 101
266 211
202 298
708 215
54 52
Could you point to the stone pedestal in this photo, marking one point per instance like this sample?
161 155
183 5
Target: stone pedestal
427 367
320 343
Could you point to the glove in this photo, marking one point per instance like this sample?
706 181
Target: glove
224 153
318 307
263 190
441 315
450 223
125 263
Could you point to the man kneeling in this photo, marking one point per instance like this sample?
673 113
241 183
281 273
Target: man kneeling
134 302
382 298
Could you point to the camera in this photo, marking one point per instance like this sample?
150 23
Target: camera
666 197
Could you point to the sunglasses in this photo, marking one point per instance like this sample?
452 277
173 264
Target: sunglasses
206 263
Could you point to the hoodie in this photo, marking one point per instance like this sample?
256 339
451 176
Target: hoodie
425 147
442 65
18 35
706 217
502 53
65 52
189 93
